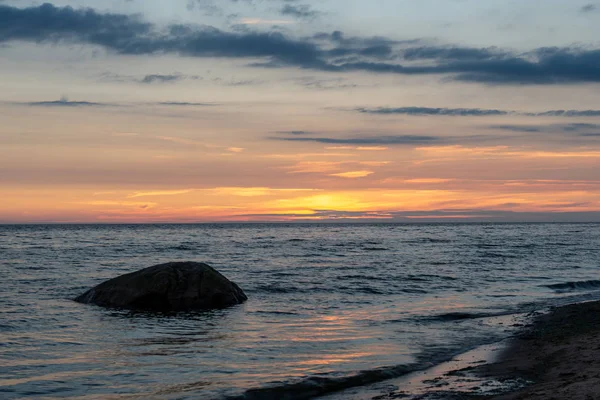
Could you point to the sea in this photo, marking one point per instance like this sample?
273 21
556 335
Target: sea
331 306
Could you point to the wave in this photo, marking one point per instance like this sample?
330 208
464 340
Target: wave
314 386
427 240
457 316
274 312
429 277
576 285
319 385
181 247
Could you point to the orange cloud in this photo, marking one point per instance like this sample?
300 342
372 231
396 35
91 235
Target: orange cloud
372 148
505 151
160 193
374 163
353 174
315 166
428 180
254 191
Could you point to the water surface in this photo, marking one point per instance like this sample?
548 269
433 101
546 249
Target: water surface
329 304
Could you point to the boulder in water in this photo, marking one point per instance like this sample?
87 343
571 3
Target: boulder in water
175 286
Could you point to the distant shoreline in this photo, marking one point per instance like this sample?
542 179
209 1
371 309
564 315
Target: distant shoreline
312 223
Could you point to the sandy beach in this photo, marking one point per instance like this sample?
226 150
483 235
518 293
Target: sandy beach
556 355
559 353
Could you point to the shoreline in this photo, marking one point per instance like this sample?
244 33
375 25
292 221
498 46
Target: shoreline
555 355
559 353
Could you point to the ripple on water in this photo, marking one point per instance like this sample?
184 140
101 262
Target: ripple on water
330 306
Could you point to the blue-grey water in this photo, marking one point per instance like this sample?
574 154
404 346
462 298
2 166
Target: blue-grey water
330 306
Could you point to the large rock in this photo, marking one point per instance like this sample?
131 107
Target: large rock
175 286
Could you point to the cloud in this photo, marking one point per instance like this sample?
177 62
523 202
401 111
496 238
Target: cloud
255 191
371 148
324 83
160 193
147 79
370 140
588 8
141 205
566 113
504 151
127 34
353 174
130 35
581 128
542 66
157 78
296 132
304 167
187 142
427 181
302 11
432 111
451 53
359 148
65 102
517 128
465 215
175 77
374 163
473 112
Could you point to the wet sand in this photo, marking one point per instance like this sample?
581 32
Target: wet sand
554 357
559 353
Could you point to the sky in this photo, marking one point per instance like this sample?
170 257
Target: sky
143 111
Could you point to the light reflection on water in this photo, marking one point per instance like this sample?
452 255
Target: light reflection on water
324 300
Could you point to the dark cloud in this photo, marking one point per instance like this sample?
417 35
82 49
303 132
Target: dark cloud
475 112
588 8
517 128
370 140
175 77
64 102
542 66
296 133
566 113
432 111
157 78
129 34
299 11
339 38
451 53
578 128
324 83
48 23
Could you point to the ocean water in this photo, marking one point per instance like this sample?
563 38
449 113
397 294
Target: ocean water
330 306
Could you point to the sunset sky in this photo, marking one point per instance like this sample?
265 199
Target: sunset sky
299 110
